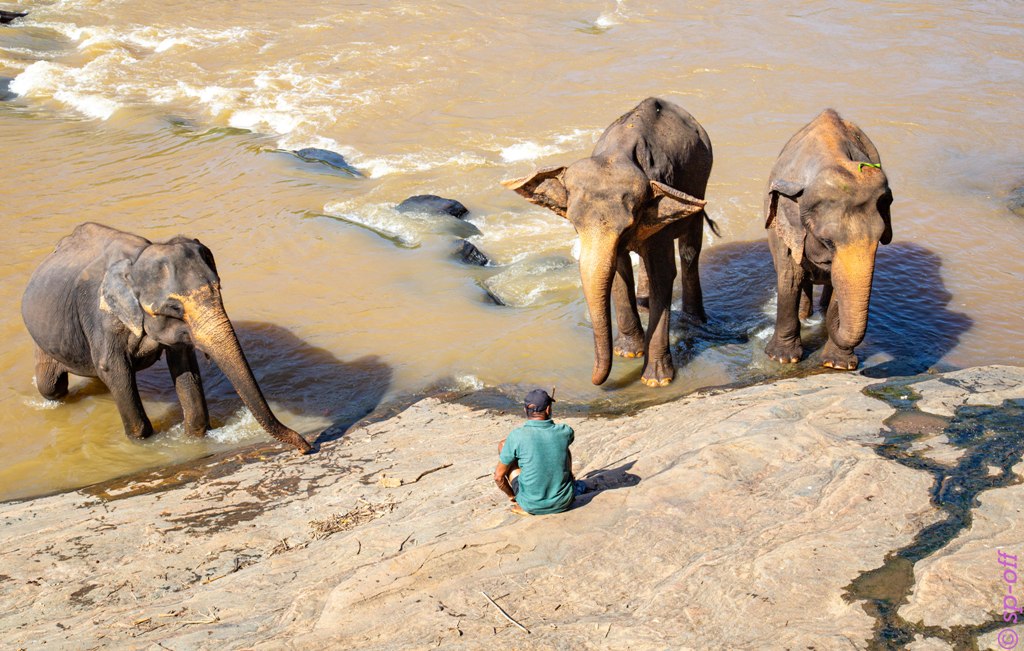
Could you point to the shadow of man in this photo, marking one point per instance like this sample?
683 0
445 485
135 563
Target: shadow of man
606 479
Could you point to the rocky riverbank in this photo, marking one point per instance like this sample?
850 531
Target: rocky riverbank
825 512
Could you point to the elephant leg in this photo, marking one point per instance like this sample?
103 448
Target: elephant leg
689 263
630 342
189 385
785 345
806 299
115 370
826 298
51 378
659 370
643 288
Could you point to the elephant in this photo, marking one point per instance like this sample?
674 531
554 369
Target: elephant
827 207
641 189
107 304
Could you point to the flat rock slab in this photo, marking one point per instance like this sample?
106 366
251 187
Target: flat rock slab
728 520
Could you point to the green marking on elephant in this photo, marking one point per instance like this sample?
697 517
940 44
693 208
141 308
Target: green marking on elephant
875 165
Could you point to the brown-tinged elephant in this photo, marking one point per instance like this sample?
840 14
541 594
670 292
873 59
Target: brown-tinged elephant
826 209
641 189
107 304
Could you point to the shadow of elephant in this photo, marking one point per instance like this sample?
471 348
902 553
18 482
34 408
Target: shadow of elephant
738 280
910 317
301 378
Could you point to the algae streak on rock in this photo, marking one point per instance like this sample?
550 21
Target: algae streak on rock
728 520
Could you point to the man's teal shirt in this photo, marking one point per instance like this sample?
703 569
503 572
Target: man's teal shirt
545 481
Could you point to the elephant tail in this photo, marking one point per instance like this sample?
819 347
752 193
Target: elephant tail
713 225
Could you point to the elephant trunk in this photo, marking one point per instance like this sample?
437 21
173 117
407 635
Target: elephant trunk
597 271
852 270
213 333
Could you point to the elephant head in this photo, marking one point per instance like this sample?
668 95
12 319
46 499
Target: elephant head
613 206
171 294
836 221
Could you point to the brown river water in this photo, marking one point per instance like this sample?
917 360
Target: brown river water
164 118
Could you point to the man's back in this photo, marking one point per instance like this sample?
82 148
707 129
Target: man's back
541 448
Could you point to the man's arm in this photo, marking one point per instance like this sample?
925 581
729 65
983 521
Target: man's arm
501 479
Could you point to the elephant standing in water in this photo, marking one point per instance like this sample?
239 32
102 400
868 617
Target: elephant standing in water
826 208
107 304
641 190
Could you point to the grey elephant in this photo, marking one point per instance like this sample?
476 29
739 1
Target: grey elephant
641 189
107 304
827 207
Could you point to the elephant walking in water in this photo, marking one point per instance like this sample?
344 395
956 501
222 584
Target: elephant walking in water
826 209
107 304
641 190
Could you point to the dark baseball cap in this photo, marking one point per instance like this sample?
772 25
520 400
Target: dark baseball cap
538 400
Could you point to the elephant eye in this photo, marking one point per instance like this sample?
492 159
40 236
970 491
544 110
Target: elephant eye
173 309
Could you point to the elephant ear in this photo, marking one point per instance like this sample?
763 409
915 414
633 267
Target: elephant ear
544 188
791 233
670 205
118 298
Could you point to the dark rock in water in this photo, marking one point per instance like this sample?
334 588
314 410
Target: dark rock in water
1016 201
491 297
467 252
8 16
328 158
5 89
433 205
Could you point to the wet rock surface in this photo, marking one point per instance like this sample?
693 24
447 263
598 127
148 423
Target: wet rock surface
1016 201
7 17
331 159
433 205
5 89
730 519
466 252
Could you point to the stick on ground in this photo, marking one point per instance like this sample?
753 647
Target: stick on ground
506 615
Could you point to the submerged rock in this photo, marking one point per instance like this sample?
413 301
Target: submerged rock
331 159
5 89
467 252
7 16
1016 201
433 205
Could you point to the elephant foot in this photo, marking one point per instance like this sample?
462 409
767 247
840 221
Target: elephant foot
834 357
630 347
784 352
139 432
658 374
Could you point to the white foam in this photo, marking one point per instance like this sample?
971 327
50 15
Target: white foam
561 143
241 427
614 17
274 121
92 106
381 219
62 83
468 382
41 404
415 162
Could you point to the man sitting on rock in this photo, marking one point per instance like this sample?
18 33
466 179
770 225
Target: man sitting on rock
539 452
